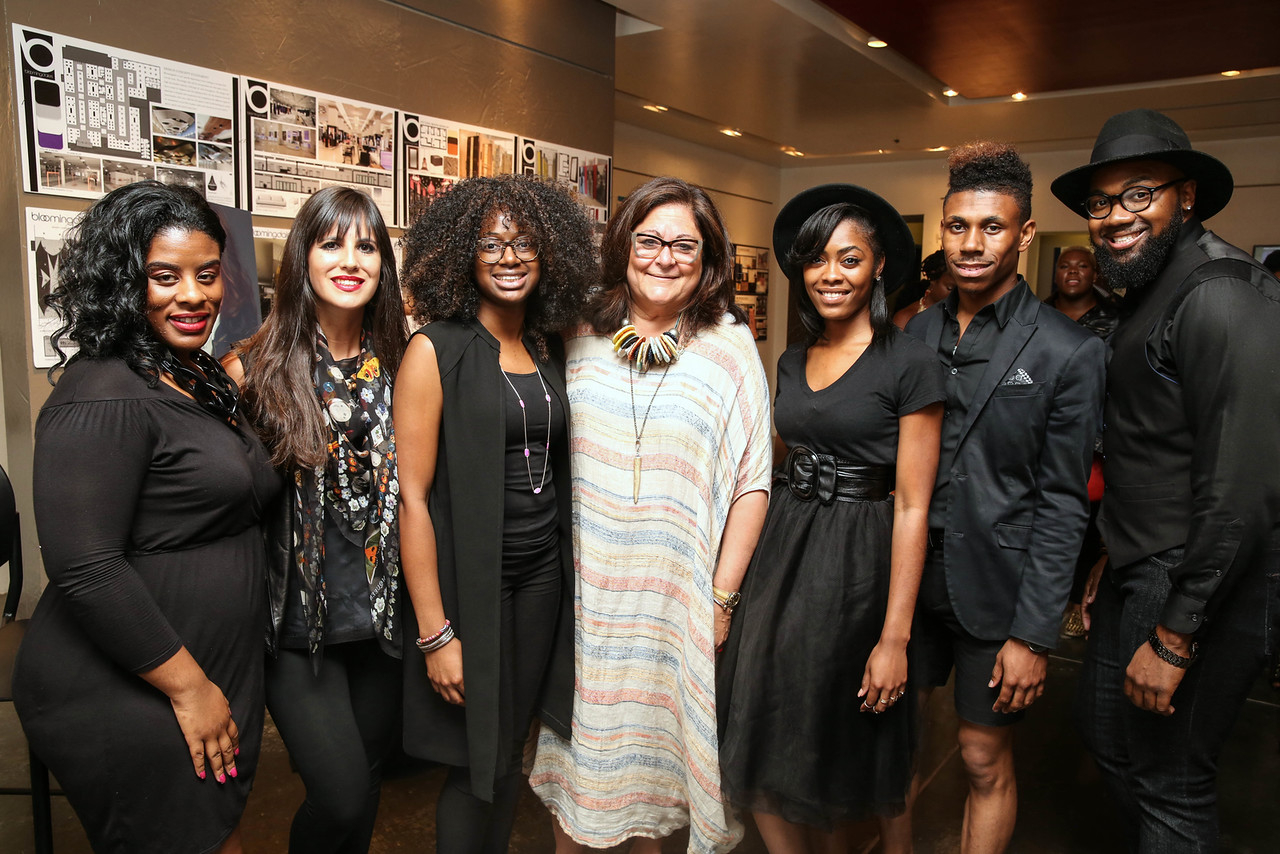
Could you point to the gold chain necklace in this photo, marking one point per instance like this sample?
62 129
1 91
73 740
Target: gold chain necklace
639 428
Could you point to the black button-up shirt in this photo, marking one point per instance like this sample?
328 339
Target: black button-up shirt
964 361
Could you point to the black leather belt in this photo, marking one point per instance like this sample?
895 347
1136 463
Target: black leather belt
811 475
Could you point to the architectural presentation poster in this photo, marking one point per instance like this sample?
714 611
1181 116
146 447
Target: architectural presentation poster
94 118
438 152
301 141
587 173
46 229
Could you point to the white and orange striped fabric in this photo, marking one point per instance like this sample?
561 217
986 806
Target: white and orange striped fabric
643 760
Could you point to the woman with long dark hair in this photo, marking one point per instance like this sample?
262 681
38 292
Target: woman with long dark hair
317 380
828 601
496 267
139 682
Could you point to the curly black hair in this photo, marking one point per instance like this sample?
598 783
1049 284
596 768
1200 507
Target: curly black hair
992 166
101 296
440 252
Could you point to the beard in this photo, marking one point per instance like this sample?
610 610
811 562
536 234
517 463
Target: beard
1142 268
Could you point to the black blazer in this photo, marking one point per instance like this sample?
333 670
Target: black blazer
1018 499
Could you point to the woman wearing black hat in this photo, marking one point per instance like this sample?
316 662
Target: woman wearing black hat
827 604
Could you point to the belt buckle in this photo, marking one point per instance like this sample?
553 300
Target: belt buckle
807 488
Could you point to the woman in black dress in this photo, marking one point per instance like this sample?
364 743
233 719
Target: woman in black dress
139 682
821 631
497 266
317 383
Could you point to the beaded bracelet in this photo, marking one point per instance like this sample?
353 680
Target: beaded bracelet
439 639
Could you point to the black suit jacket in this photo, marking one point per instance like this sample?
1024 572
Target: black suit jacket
1018 499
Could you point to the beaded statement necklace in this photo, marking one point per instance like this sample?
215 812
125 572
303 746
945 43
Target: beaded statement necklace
524 418
206 382
644 351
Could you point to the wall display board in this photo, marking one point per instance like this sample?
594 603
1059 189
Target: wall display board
437 152
587 173
751 286
46 230
95 118
300 141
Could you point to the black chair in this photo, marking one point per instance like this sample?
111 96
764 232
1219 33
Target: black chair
11 632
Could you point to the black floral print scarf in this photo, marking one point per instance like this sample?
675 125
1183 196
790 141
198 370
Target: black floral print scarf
358 481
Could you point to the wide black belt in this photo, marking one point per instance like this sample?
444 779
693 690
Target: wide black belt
810 475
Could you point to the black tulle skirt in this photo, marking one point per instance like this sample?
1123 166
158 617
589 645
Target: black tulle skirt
792 741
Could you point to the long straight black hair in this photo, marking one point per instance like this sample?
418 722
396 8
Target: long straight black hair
279 388
811 239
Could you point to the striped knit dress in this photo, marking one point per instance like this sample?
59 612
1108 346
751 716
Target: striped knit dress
643 760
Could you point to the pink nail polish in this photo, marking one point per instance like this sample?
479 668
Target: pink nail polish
232 772
237 751
222 778
202 775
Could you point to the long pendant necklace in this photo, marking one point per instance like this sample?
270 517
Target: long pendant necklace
524 418
639 428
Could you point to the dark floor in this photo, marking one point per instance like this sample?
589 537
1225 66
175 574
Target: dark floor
1062 808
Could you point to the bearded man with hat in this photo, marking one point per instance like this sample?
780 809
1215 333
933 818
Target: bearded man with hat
1191 514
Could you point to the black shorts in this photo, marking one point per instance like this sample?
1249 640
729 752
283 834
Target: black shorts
939 643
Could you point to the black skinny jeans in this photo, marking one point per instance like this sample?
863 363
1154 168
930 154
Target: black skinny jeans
339 727
465 823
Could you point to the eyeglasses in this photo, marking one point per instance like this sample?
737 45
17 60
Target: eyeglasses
490 250
684 250
1134 200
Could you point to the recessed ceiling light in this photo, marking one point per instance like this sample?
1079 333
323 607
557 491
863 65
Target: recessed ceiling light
937 148
950 93
655 108
879 151
730 132
787 149
1019 96
875 42
1231 74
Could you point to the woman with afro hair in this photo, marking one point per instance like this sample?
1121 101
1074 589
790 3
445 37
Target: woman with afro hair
495 268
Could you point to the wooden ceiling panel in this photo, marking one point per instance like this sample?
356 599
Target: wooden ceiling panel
993 48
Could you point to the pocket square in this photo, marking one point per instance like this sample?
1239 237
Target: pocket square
1020 377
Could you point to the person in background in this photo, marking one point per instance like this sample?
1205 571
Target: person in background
317 380
1272 262
496 268
671 458
1184 618
826 606
939 284
139 682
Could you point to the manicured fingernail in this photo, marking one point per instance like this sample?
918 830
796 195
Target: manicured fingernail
232 772
222 778
237 751
201 775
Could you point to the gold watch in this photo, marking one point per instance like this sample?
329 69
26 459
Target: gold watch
726 599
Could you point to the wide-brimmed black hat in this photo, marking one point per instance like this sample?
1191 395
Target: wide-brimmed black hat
1148 135
895 237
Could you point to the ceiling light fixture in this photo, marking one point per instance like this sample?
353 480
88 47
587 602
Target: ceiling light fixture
937 148
730 132
655 108
950 93
1231 74
787 149
875 42
1019 96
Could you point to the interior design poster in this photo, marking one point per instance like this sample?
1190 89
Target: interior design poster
95 118
301 141
46 230
587 173
438 152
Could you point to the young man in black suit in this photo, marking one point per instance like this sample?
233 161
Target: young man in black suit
1024 392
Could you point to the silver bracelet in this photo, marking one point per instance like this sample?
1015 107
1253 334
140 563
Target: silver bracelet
432 644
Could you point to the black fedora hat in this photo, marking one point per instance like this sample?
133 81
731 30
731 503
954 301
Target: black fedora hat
895 237
1148 135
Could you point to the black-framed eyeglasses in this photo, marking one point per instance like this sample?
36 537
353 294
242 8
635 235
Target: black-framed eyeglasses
1134 200
684 249
490 249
